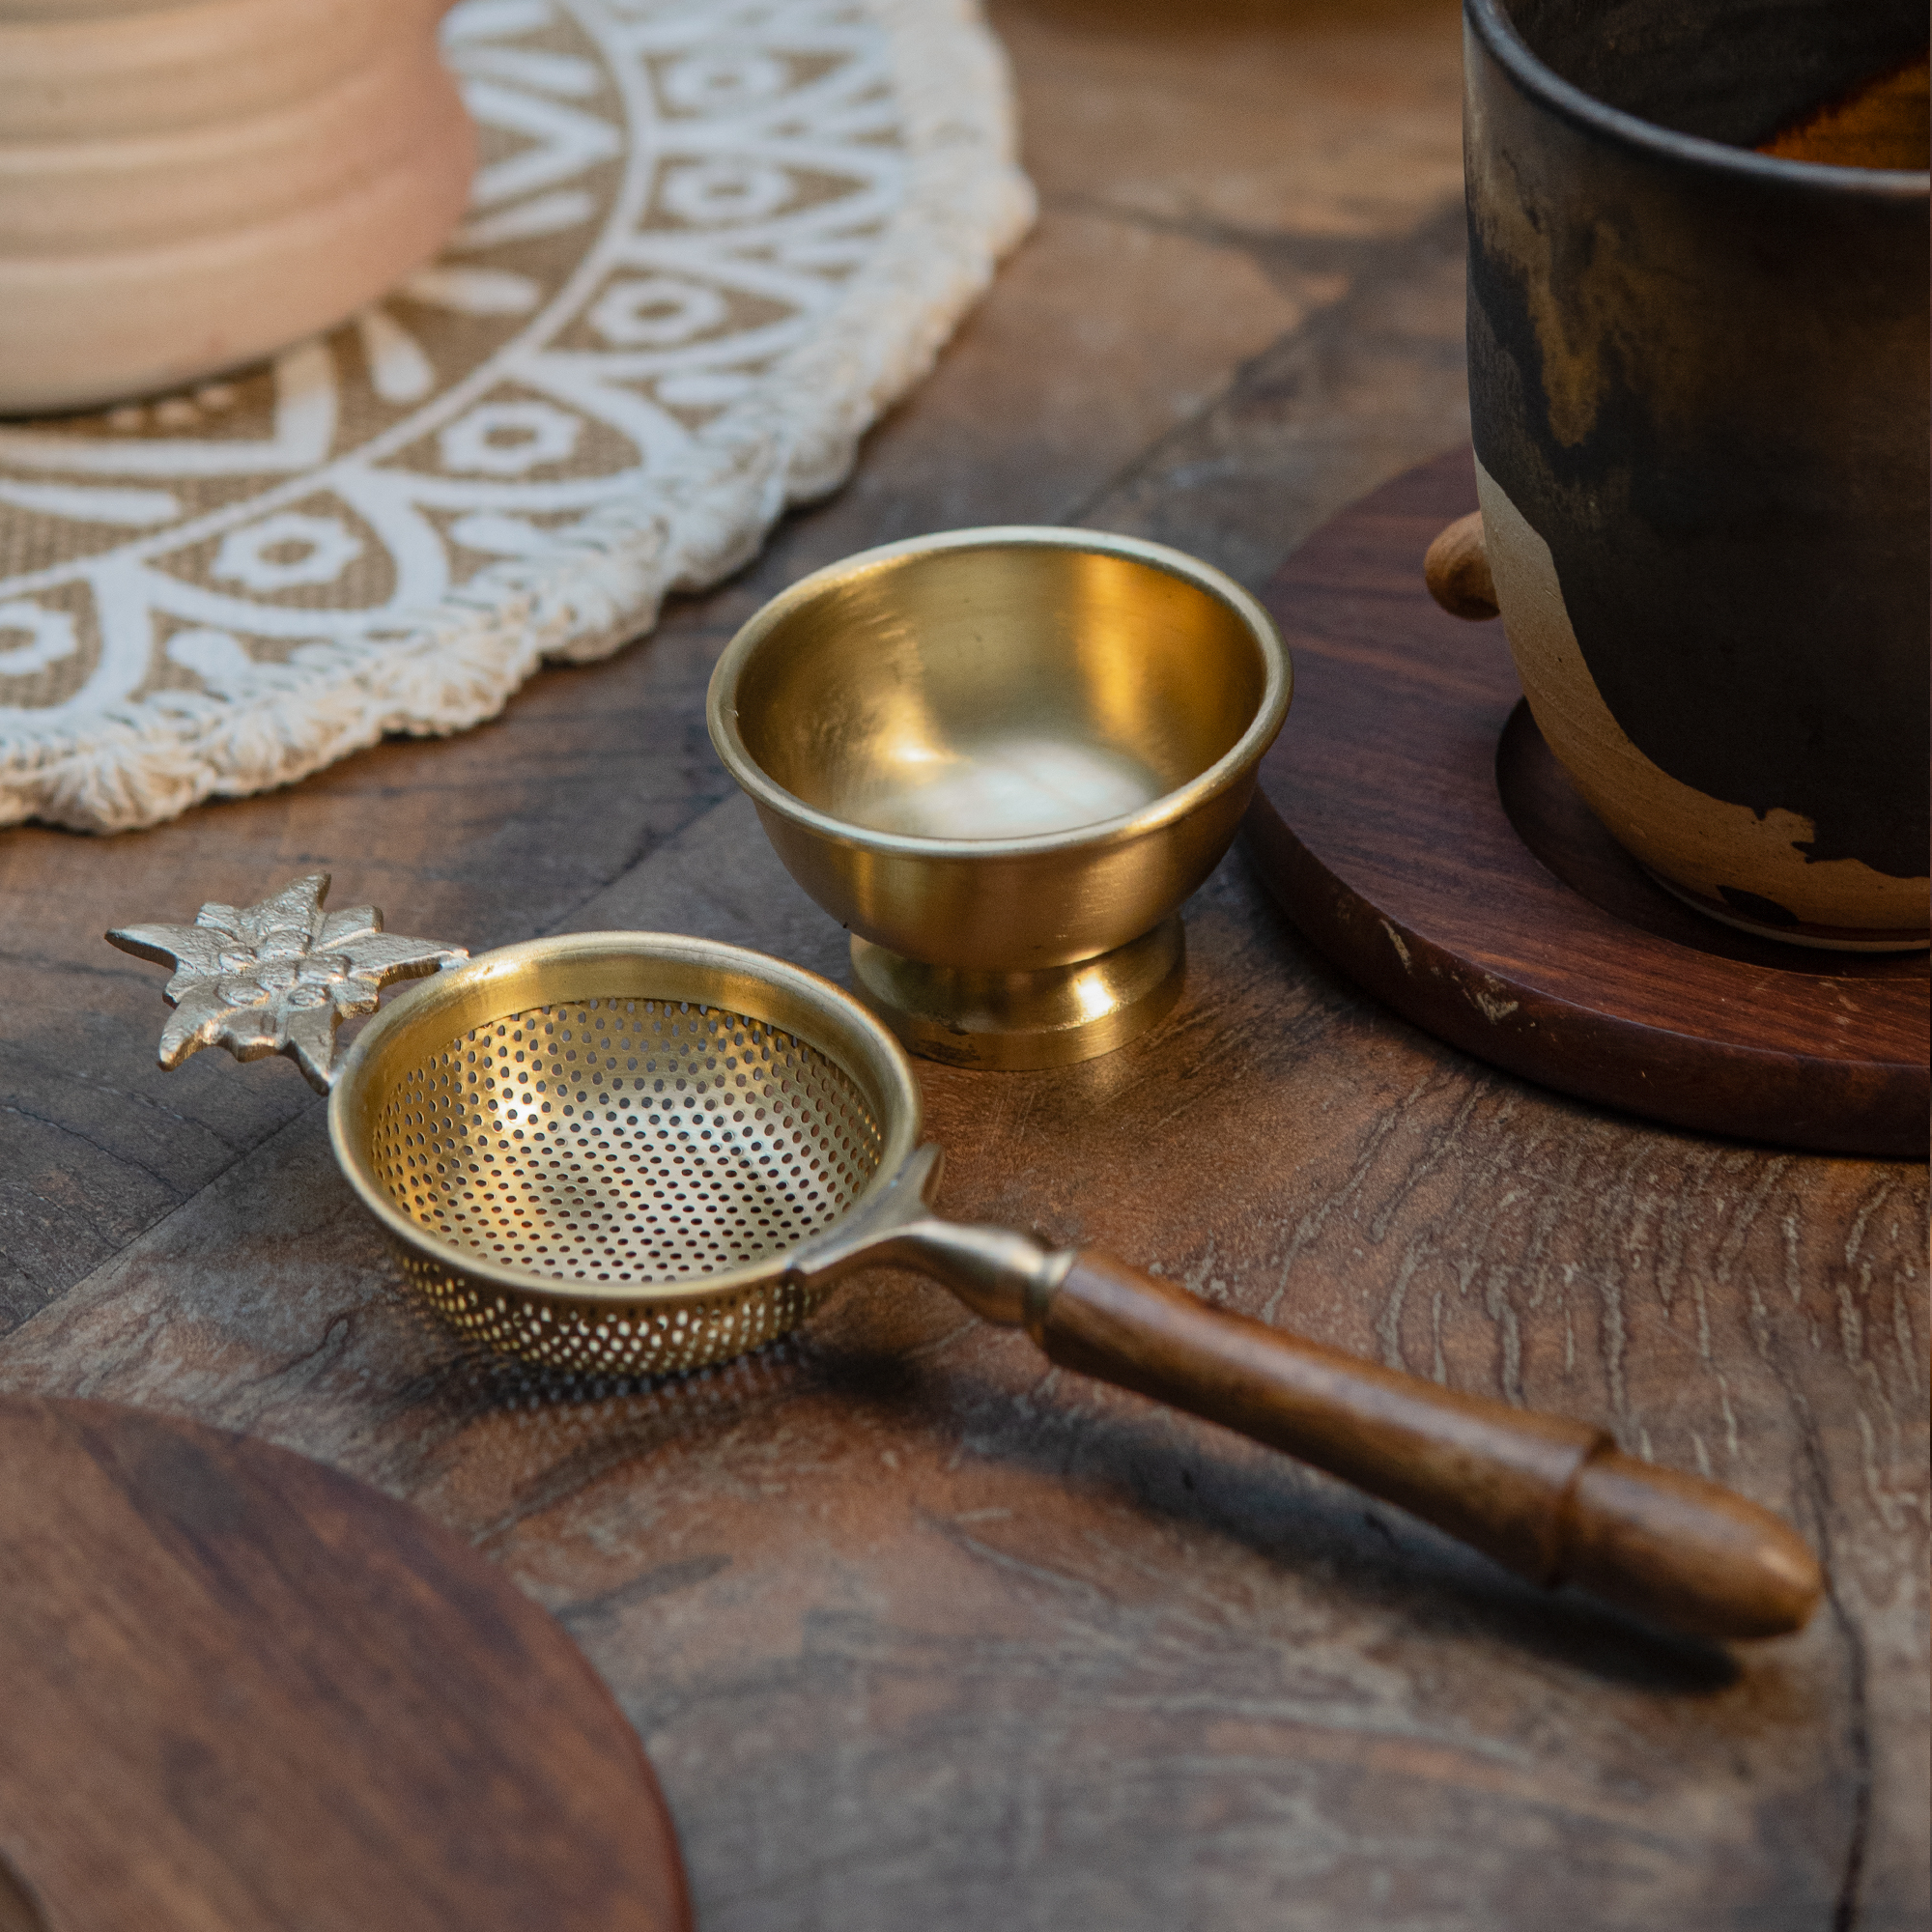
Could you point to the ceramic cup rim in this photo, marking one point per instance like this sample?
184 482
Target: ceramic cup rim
1492 24
1183 802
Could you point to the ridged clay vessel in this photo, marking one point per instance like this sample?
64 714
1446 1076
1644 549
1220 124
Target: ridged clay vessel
187 188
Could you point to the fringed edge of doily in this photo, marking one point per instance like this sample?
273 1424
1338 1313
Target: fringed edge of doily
966 204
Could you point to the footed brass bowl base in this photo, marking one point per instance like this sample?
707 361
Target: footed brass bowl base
1005 1021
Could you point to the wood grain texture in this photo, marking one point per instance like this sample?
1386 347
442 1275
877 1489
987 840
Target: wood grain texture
919 1632
20 1910
1380 825
243 1691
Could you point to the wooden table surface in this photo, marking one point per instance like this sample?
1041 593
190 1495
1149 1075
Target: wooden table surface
918 1632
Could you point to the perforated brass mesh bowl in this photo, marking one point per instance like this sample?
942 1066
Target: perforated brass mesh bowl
598 1153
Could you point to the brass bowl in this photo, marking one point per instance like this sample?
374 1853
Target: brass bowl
1003 757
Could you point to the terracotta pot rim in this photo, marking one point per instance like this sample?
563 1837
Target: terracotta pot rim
1490 22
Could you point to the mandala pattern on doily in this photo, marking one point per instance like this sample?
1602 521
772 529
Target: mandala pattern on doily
708 242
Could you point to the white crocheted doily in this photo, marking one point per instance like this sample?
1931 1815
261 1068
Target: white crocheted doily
710 241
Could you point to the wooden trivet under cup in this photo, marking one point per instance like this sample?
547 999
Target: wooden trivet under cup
1412 822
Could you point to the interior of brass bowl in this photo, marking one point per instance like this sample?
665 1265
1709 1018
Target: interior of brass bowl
1003 758
598 1153
994 686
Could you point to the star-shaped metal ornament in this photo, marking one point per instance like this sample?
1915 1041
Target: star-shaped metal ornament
279 977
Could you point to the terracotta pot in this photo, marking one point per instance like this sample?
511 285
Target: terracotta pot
188 186
1697 375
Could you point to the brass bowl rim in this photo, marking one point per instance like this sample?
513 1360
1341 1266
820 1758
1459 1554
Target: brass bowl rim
901 1121
1227 771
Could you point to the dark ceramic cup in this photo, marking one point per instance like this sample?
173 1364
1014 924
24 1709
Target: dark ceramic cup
1697 375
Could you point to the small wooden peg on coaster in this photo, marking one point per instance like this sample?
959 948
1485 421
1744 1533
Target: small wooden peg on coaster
1457 567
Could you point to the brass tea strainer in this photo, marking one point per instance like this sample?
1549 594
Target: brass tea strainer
626 1153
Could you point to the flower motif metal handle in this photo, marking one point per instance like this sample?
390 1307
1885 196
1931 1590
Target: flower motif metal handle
277 977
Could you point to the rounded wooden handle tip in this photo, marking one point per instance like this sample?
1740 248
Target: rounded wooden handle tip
1686 1553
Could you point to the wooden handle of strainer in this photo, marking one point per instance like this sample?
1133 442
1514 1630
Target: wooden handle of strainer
1554 1500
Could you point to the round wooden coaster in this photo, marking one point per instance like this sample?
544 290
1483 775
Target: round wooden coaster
243 1691
1413 824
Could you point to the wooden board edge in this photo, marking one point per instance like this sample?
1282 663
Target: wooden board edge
1880 1111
